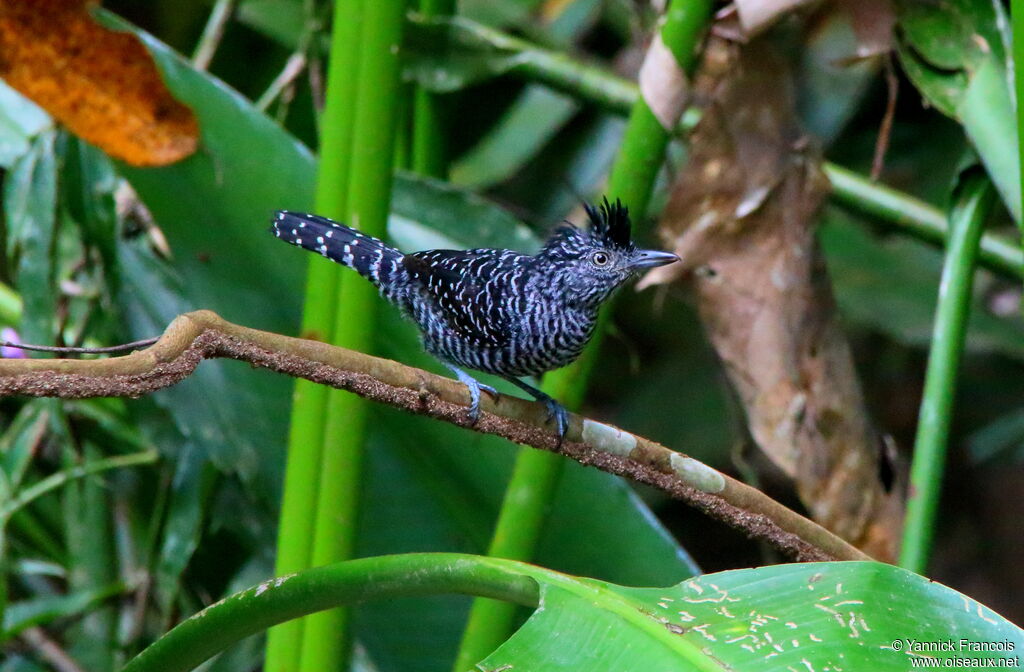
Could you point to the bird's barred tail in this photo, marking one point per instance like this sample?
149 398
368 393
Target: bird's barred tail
371 258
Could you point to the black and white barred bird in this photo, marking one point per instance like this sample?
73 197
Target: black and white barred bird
497 311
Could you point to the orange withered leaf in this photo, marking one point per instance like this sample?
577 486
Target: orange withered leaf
101 84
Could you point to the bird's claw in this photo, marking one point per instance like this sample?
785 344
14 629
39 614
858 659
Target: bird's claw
474 386
557 413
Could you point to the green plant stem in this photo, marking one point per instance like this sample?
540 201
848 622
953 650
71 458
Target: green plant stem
355 581
553 68
616 94
326 637
920 219
974 200
309 401
536 474
643 145
429 153
524 510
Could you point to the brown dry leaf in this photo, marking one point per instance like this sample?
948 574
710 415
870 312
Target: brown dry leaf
873 22
101 84
741 217
752 17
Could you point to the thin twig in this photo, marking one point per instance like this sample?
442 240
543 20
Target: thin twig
892 85
134 345
220 15
50 651
293 67
193 337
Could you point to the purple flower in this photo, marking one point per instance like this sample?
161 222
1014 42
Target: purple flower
11 336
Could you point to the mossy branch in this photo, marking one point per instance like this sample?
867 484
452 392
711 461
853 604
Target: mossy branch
192 337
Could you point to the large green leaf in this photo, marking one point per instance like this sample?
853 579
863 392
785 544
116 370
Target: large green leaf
957 54
818 616
890 285
827 616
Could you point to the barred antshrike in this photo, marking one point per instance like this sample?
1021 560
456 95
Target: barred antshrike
496 311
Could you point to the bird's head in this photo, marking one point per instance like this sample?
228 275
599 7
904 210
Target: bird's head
593 262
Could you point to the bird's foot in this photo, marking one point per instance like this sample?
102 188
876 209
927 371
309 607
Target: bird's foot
556 411
474 386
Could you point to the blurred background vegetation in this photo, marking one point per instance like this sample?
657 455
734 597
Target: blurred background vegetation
97 567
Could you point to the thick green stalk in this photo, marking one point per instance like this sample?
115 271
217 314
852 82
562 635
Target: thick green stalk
609 91
643 146
975 198
521 519
553 68
920 219
352 582
326 636
309 401
429 153
535 476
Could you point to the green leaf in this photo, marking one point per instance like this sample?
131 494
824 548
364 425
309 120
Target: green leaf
280 20
955 34
798 616
16 663
20 121
42 610
18 444
428 213
848 615
189 496
88 188
955 52
30 208
529 124
1000 439
441 58
889 285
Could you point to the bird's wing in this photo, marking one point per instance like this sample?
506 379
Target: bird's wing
467 290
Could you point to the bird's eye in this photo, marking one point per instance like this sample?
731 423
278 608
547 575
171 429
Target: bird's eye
600 259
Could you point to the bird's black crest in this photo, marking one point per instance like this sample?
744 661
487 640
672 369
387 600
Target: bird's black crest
610 221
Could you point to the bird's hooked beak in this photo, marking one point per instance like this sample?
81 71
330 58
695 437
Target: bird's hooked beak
643 259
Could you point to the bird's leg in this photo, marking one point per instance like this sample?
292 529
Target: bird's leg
556 411
474 386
